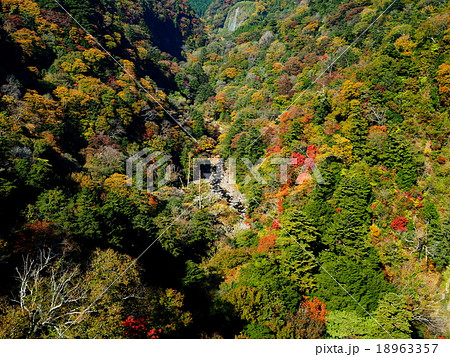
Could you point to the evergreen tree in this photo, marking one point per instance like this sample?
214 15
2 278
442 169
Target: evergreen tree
319 209
322 107
297 226
394 316
198 128
348 229
357 134
348 324
399 157
362 279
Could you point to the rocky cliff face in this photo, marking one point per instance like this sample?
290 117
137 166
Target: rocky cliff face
238 14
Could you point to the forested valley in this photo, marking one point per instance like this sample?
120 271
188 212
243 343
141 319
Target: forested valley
353 243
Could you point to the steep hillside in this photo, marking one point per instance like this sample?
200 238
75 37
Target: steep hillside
335 114
200 6
366 99
238 14
73 107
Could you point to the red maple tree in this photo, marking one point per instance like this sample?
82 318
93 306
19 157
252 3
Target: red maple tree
276 224
267 243
297 159
139 328
280 205
312 151
399 224
316 309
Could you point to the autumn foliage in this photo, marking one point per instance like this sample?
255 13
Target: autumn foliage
316 309
267 242
297 159
399 224
139 328
364 133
